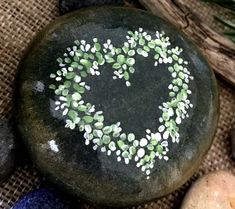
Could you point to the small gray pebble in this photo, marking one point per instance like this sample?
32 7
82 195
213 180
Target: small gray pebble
7 149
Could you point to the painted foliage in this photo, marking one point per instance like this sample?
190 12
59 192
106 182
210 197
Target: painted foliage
85 59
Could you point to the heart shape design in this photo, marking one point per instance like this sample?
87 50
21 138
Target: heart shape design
82 60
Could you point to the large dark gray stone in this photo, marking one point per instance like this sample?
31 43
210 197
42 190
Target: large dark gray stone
140 124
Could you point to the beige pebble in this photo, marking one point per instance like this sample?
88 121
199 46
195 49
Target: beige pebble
213 191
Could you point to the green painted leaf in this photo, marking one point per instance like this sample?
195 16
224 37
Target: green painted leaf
52 86
67 60
65 92
112 145
125 154
58 92
150 147
101 61
86 56
154 142
116 66
106 139
130 61
146 48
98 55
60 60
83 74
131 53
165 116
99 125
132 150
72 114
151 44
78 88
131 137
79 53
110 60
123 136
126 75
88 119
181 75
152 154
141 42
171 94
82 108
158 50
74 65
107 129
131 69
147 158
76 96
118 51
67 84
70 75
120 59
125 49
120 143
159 149
97 46
139 51
86 63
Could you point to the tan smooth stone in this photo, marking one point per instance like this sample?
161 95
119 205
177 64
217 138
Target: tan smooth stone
213 191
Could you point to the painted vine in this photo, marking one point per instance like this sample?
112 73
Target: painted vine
84 59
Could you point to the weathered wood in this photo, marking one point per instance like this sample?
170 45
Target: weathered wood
219 51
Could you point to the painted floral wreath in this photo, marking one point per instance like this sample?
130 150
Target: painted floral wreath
84 60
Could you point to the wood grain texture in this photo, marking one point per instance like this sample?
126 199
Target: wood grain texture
220 52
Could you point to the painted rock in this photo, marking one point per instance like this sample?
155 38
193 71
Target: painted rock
7 149
115 105
215 190
42 198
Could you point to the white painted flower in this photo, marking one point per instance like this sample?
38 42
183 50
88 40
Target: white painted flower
157 136
53 146
141 153
143 142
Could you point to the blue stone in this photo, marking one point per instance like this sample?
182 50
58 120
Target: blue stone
42 198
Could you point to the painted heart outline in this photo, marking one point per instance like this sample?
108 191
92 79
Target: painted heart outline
84 59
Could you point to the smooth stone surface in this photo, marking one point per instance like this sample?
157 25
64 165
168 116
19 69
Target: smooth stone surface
111 109
66 6
7 149
215 190
42 199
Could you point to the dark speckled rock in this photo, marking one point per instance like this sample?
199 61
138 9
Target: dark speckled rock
66 6
7 149
42 199
115 105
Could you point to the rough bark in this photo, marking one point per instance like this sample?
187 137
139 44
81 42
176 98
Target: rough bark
219 51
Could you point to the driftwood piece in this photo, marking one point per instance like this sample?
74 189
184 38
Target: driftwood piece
219 51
